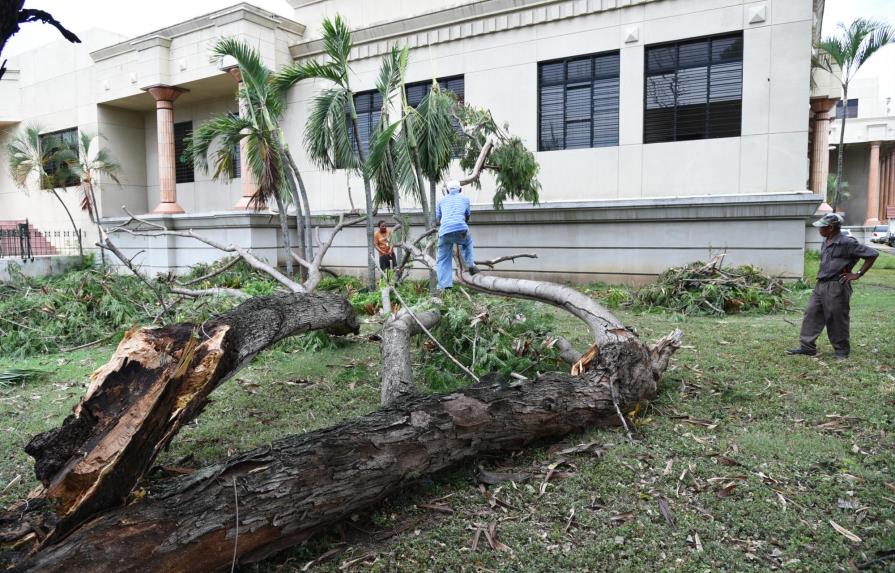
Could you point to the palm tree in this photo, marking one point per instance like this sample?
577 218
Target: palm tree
260 128
842 55
332 137
28 159
89 162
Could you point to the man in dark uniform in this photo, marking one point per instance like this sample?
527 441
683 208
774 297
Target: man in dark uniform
828 305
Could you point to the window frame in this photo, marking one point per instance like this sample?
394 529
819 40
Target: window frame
565 82
73 180
845 108
441 82
676 69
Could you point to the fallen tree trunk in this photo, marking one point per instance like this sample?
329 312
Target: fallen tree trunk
259 502
397 371
157 380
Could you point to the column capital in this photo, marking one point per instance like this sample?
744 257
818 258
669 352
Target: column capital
822 105
165 93
234 72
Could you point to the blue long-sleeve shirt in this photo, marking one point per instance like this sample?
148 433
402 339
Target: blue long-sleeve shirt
452 211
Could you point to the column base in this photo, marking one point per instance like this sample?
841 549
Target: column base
246 204
168 209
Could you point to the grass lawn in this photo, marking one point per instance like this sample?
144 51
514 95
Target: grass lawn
752 454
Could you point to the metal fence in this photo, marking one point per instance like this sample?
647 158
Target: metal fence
23 241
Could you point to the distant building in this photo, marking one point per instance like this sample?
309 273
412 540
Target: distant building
869 163
666 130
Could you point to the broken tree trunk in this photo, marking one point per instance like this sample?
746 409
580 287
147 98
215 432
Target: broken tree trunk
397 371
158 380
259 502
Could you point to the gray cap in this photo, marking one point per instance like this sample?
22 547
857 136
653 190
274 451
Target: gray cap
829 220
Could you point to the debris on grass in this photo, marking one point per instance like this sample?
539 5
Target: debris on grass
708 289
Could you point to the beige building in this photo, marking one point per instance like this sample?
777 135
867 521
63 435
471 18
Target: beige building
666 130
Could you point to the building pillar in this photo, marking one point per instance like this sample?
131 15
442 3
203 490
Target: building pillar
820 153
247 178
873 186
889 202
167 162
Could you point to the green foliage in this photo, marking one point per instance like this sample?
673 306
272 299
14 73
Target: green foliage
20 376
507 335
513 165
701 288
516 170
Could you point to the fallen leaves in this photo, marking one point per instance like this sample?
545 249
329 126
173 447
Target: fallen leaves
845 533
665 510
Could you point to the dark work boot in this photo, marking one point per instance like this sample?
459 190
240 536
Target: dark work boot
839 355
801 352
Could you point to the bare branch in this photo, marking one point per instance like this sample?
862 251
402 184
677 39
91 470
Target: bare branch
216 291
110 246
480 162
493 262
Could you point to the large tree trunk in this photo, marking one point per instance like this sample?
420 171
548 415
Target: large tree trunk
158 380
259 502
397 371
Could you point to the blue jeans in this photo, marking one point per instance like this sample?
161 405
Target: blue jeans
444 266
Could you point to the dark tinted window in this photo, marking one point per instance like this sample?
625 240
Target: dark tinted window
183 169
693 89
578 102
852 108
59 175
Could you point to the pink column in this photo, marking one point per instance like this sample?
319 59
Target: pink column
889 202
820 153
167 163
247 179
873 186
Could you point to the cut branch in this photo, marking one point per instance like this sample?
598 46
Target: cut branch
158 380
397 371
496 261
300 485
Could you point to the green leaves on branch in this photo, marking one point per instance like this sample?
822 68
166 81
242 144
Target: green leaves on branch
516 171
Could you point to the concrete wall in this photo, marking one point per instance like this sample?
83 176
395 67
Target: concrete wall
37 267
614 241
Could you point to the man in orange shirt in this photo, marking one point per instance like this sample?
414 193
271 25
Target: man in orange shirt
382 242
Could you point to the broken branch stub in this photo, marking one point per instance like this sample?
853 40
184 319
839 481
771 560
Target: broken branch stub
157 380
397 371
300 485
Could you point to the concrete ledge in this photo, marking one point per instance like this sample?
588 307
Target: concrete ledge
39 266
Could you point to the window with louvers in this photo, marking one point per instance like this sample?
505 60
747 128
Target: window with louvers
416 91
183 169
236 170
59 175
693 89
578 102
368 106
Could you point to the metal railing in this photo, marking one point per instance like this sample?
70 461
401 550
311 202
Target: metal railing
25 242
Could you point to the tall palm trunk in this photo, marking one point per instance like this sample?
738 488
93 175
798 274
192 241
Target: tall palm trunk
309 243
396 202
299 221
368 197
840 153
284 228
73 225
433 201
93 210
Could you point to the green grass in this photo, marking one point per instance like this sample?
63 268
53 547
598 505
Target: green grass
796 465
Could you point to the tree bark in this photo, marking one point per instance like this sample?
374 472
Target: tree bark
73 225
158 380
368 198
397 372
296 487
309 240
284 229
299 221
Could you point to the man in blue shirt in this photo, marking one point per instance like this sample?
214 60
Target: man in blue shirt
452 213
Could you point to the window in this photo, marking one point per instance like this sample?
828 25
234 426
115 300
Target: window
236 171
183 169
578 102
693 89
59 175
852 109
368 106
418 90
